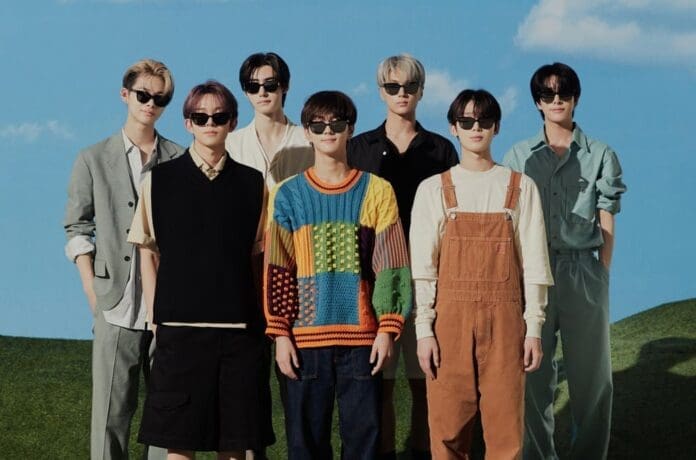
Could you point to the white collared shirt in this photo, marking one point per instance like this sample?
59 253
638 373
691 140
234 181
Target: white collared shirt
130 311
293 155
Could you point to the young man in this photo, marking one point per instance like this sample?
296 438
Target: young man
404 153
101 200
271 143
581 187
337 288
209 387
478 246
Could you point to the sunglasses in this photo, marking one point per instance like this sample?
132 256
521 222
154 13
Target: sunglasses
467 123
392 89
337 126
201 119
144 97
549 96
253 87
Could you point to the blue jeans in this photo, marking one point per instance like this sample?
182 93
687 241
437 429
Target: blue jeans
326 374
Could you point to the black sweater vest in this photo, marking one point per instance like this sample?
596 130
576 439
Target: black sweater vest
205 233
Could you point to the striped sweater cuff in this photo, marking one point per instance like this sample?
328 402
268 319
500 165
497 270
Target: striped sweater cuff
277 327
392 323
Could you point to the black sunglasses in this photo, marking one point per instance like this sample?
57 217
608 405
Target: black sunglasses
392 89
467 123
253 87
337 126
201 119
144 97
548 96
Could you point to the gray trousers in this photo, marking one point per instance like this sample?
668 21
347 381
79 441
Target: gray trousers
579 309
117 360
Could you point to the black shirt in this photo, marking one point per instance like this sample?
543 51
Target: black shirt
427 154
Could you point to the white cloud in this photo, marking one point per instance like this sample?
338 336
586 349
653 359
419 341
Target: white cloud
31 131
606 29
508 101
441 89
361 89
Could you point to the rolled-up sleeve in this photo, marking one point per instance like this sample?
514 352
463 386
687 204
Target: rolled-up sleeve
78 221
610 185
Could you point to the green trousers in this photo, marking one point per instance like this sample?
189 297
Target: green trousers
578 309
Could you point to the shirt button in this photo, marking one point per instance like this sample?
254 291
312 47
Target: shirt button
127 258
384 153
130 204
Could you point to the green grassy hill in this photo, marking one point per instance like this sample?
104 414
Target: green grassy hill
45 393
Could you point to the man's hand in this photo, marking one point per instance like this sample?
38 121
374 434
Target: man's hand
428 356
382 350
286 356
532 354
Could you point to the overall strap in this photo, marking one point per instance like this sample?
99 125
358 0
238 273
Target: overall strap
448 190
513 190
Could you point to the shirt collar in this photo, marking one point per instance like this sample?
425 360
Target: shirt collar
211 173
129 145
380 134
539 141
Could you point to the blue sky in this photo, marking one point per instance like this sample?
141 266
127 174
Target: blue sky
63 61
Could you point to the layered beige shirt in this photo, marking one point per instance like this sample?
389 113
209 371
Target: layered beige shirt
480 192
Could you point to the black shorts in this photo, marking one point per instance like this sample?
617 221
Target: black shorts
209 390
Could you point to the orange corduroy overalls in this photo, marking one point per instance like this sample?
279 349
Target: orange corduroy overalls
480 331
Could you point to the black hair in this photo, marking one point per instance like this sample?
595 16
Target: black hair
281 71
334 103
485 106
566 78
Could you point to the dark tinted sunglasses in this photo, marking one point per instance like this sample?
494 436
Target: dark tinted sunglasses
337 126
253 87
392 89
548 96
144 97
467 123
201 119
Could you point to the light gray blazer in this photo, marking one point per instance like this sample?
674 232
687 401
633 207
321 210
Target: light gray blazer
101 205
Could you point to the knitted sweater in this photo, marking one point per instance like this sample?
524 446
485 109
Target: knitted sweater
336 263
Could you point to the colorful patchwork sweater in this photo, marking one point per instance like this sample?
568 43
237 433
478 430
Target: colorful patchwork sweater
336 266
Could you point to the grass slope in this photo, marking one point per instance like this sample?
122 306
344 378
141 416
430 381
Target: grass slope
45 393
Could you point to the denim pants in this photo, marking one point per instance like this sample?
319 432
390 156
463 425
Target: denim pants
325 374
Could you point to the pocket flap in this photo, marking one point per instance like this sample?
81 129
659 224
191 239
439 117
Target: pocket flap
167 399
100 268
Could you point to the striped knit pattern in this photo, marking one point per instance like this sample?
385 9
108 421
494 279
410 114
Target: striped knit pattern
336 266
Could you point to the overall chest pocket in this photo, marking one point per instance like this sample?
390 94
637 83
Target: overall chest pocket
479 258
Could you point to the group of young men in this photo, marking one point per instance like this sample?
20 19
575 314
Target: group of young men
345 251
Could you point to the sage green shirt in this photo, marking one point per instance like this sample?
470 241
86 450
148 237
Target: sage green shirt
573 186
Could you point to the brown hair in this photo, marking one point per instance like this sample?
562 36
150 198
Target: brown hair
217 89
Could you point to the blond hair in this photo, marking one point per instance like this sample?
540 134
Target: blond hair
152 68
404 62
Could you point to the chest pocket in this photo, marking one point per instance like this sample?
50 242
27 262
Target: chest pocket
580 202
479 259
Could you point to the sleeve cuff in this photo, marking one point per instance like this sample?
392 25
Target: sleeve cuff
424 330
391 323
277 327
534 328
77 246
